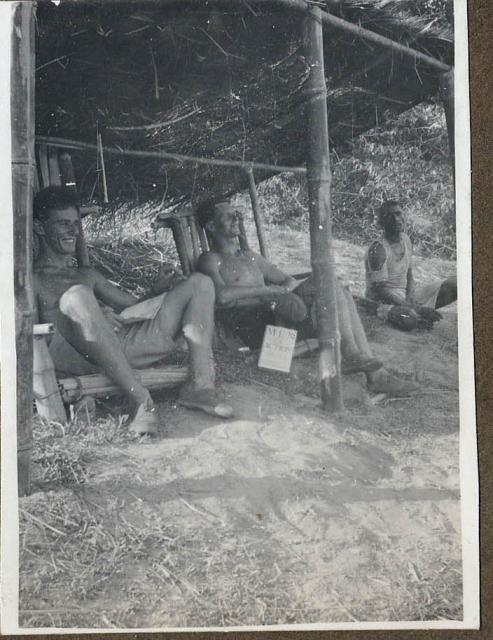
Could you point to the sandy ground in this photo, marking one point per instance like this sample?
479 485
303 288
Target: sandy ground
283 515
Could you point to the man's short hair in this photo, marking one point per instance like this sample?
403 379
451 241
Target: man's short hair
384 210
207 208
53 198
205 211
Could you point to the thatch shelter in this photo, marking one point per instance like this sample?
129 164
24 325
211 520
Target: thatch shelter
218 80
166 100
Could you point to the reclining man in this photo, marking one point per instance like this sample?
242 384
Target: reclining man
389 269
244 277
90 336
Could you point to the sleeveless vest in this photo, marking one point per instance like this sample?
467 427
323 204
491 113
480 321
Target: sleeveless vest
393 271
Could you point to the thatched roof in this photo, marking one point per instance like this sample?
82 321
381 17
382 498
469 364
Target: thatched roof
217 80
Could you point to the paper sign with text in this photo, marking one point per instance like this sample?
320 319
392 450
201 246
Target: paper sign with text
277 348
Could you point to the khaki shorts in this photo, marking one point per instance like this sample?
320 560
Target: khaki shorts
143 343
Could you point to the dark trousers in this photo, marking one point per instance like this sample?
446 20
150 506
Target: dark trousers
286 309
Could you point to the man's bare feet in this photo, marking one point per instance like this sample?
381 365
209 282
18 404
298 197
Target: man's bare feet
145 421
205 400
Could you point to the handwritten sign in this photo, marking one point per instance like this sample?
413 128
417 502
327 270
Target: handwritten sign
277 348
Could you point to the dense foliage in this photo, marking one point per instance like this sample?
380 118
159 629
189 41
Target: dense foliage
407 160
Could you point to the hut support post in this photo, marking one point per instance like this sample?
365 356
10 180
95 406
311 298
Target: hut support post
447 96
23 172
252 187
318 181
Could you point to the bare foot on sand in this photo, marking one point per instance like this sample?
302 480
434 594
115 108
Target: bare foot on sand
145 421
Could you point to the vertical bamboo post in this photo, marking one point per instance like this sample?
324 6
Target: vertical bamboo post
447 96
23 169
318 181
252 188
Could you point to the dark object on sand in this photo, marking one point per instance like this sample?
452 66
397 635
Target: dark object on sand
407 319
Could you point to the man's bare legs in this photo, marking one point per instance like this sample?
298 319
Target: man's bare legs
349 346
82 323
355 350
189 309
447 292
380 381
354 321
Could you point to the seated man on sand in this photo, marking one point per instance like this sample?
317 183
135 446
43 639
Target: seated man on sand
89 334
389 269
242 278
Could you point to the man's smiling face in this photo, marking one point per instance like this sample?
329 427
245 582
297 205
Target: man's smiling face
61 229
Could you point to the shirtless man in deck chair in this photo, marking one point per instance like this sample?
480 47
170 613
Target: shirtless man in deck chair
389 275
253 292
89 335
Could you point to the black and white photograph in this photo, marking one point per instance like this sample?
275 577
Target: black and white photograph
236 337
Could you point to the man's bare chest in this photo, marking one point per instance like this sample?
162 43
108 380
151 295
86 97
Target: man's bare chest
51 284
240 270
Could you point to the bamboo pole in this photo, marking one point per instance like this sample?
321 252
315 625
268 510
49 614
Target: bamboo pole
447 96
342 25
318 179
97 384
23 170
64 143
252 188
103 168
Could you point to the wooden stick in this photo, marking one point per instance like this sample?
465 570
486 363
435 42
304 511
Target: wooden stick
64 143
154 68
54 167
23 169
103 169
243 240
43 165
447 96
100 385
252 188
67 171
318 177
194 236
46 393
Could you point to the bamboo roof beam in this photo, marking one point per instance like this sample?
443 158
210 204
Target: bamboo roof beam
344 25
64 143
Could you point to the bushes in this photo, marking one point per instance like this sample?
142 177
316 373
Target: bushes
407 160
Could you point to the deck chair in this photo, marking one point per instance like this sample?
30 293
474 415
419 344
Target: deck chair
52 394
191 239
